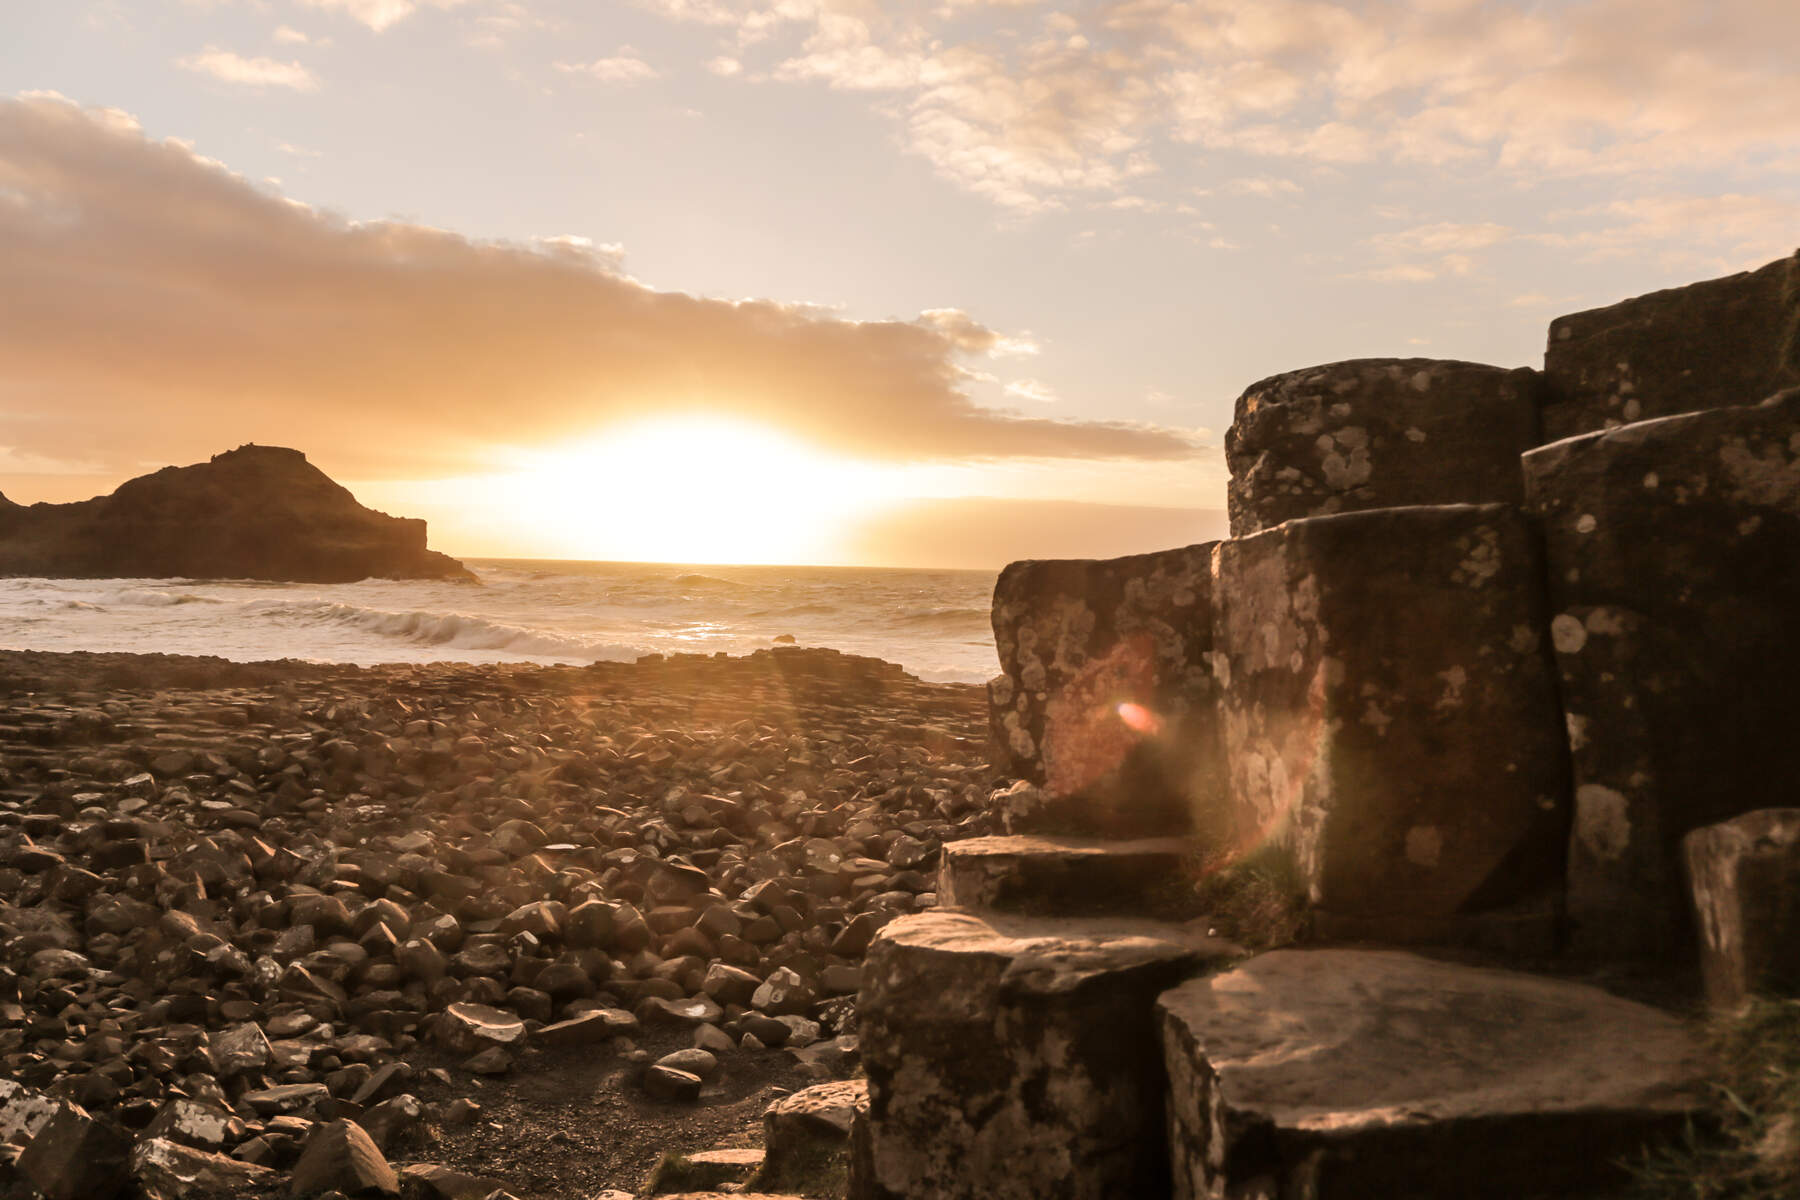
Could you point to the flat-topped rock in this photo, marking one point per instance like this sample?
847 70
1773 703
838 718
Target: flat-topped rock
1673 554
1708 345
1745 877
1105 699
1378 433
1362 1073
1390 714
1015 1057
1050 876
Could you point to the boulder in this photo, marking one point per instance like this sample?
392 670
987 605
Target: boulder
1391 718
1366 1073
1715 344
469 1028
73 1156
1745 876
807 1135
166 1170
1012 1057
340 1156
23 1111
1063 877
1673 549
1378 433
1105 700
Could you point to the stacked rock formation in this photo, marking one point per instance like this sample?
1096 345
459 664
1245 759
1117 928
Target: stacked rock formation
1486 651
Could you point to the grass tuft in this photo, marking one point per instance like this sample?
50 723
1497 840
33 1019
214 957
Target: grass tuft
1257 901
1750 1150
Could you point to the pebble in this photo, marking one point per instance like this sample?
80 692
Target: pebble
233 897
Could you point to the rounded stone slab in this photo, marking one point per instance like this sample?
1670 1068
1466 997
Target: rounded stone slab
1016 1058
1378 433
1366 1073
1049 876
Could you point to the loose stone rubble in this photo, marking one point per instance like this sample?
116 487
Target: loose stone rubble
283 914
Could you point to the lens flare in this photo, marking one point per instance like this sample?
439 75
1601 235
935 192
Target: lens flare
1139 719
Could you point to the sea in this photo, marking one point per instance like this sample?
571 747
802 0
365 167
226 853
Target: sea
933 623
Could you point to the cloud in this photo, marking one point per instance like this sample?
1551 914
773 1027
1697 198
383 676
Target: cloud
380 14
1034 390
154 306
287 35
1036 105
228 67
624 68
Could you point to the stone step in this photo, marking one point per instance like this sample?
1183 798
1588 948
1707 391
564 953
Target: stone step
1381 1073
1011 1057
1063 877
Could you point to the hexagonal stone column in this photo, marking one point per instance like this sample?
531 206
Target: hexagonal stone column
1017 1059
1715 344
1745 876
1390 716
1106 700
1063 877
1674 571
1378 433
1350 1074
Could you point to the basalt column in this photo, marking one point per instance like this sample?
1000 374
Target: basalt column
1106 700
1390 717
1378 433
1674 555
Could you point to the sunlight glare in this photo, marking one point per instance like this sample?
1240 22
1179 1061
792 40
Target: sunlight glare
692 490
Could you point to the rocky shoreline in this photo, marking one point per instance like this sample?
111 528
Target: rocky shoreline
530 924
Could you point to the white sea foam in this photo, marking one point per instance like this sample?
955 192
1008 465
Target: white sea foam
932 622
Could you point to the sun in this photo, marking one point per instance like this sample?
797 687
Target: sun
692 489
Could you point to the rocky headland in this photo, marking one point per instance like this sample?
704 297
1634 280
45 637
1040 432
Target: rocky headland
257 512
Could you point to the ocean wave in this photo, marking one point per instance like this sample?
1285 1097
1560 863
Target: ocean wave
708 581
152 598
450 629
798 610
940 617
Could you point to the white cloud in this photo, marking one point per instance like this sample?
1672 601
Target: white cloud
1034 390
1044 104
624 68
287 35
380 14
724 65
230 67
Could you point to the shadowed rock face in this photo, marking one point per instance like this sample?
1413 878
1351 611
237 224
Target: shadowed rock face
1389 711
1673 549
257 512
1708 345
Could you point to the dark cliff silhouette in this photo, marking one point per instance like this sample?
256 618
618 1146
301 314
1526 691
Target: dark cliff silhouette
257 512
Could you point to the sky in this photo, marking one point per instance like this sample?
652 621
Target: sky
941 283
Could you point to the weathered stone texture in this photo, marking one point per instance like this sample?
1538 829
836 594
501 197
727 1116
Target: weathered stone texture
1011 1058
1106 700
1361 1073
1715 344
1673 549
1389 712
1062 877
1378 433
1745 880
